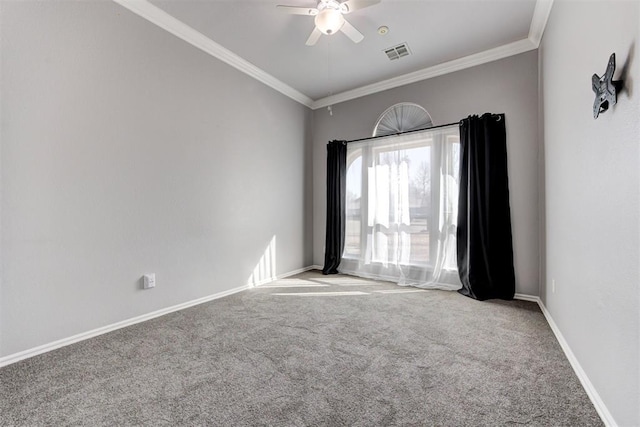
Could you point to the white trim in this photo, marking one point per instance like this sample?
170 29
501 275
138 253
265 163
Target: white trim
178 28
16 357
599 405
527 297
539 20
490 55
589 388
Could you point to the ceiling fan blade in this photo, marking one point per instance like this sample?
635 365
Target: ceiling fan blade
351 5
351 32
295 10
313 38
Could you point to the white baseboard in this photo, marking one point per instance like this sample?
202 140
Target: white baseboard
601 408
526 297
16 357
599 405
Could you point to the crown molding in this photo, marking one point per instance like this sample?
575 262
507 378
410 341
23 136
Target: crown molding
539 20
162 19
179 29
490 55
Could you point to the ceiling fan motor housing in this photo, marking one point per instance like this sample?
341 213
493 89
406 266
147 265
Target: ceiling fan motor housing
329 18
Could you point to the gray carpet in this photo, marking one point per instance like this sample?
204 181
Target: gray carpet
369 353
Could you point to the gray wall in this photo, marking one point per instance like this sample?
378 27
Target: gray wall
507 86
125 151
592 196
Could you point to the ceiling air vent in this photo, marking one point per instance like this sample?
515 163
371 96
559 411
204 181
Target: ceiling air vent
397 52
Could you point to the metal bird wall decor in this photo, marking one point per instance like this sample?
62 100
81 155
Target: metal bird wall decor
606 88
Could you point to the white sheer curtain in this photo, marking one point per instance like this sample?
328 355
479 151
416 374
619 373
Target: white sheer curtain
402 207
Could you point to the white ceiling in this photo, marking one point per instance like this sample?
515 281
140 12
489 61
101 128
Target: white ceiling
443 35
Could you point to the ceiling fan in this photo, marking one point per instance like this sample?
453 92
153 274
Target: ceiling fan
329 17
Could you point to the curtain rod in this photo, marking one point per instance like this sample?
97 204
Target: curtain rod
415 130
401 133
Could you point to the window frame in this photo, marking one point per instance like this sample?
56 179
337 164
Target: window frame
368 154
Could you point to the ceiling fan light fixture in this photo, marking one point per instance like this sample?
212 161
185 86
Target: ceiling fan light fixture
329 21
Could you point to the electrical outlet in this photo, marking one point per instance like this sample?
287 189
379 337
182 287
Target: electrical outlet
149 281
553 286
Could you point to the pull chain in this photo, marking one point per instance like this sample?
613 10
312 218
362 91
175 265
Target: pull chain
329 109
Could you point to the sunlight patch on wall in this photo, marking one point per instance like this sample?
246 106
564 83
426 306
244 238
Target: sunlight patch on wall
265 269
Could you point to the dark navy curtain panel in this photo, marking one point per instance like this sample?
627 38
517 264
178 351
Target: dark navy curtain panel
336 196
484 240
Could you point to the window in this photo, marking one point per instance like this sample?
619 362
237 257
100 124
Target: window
402 196
354 196
402 117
